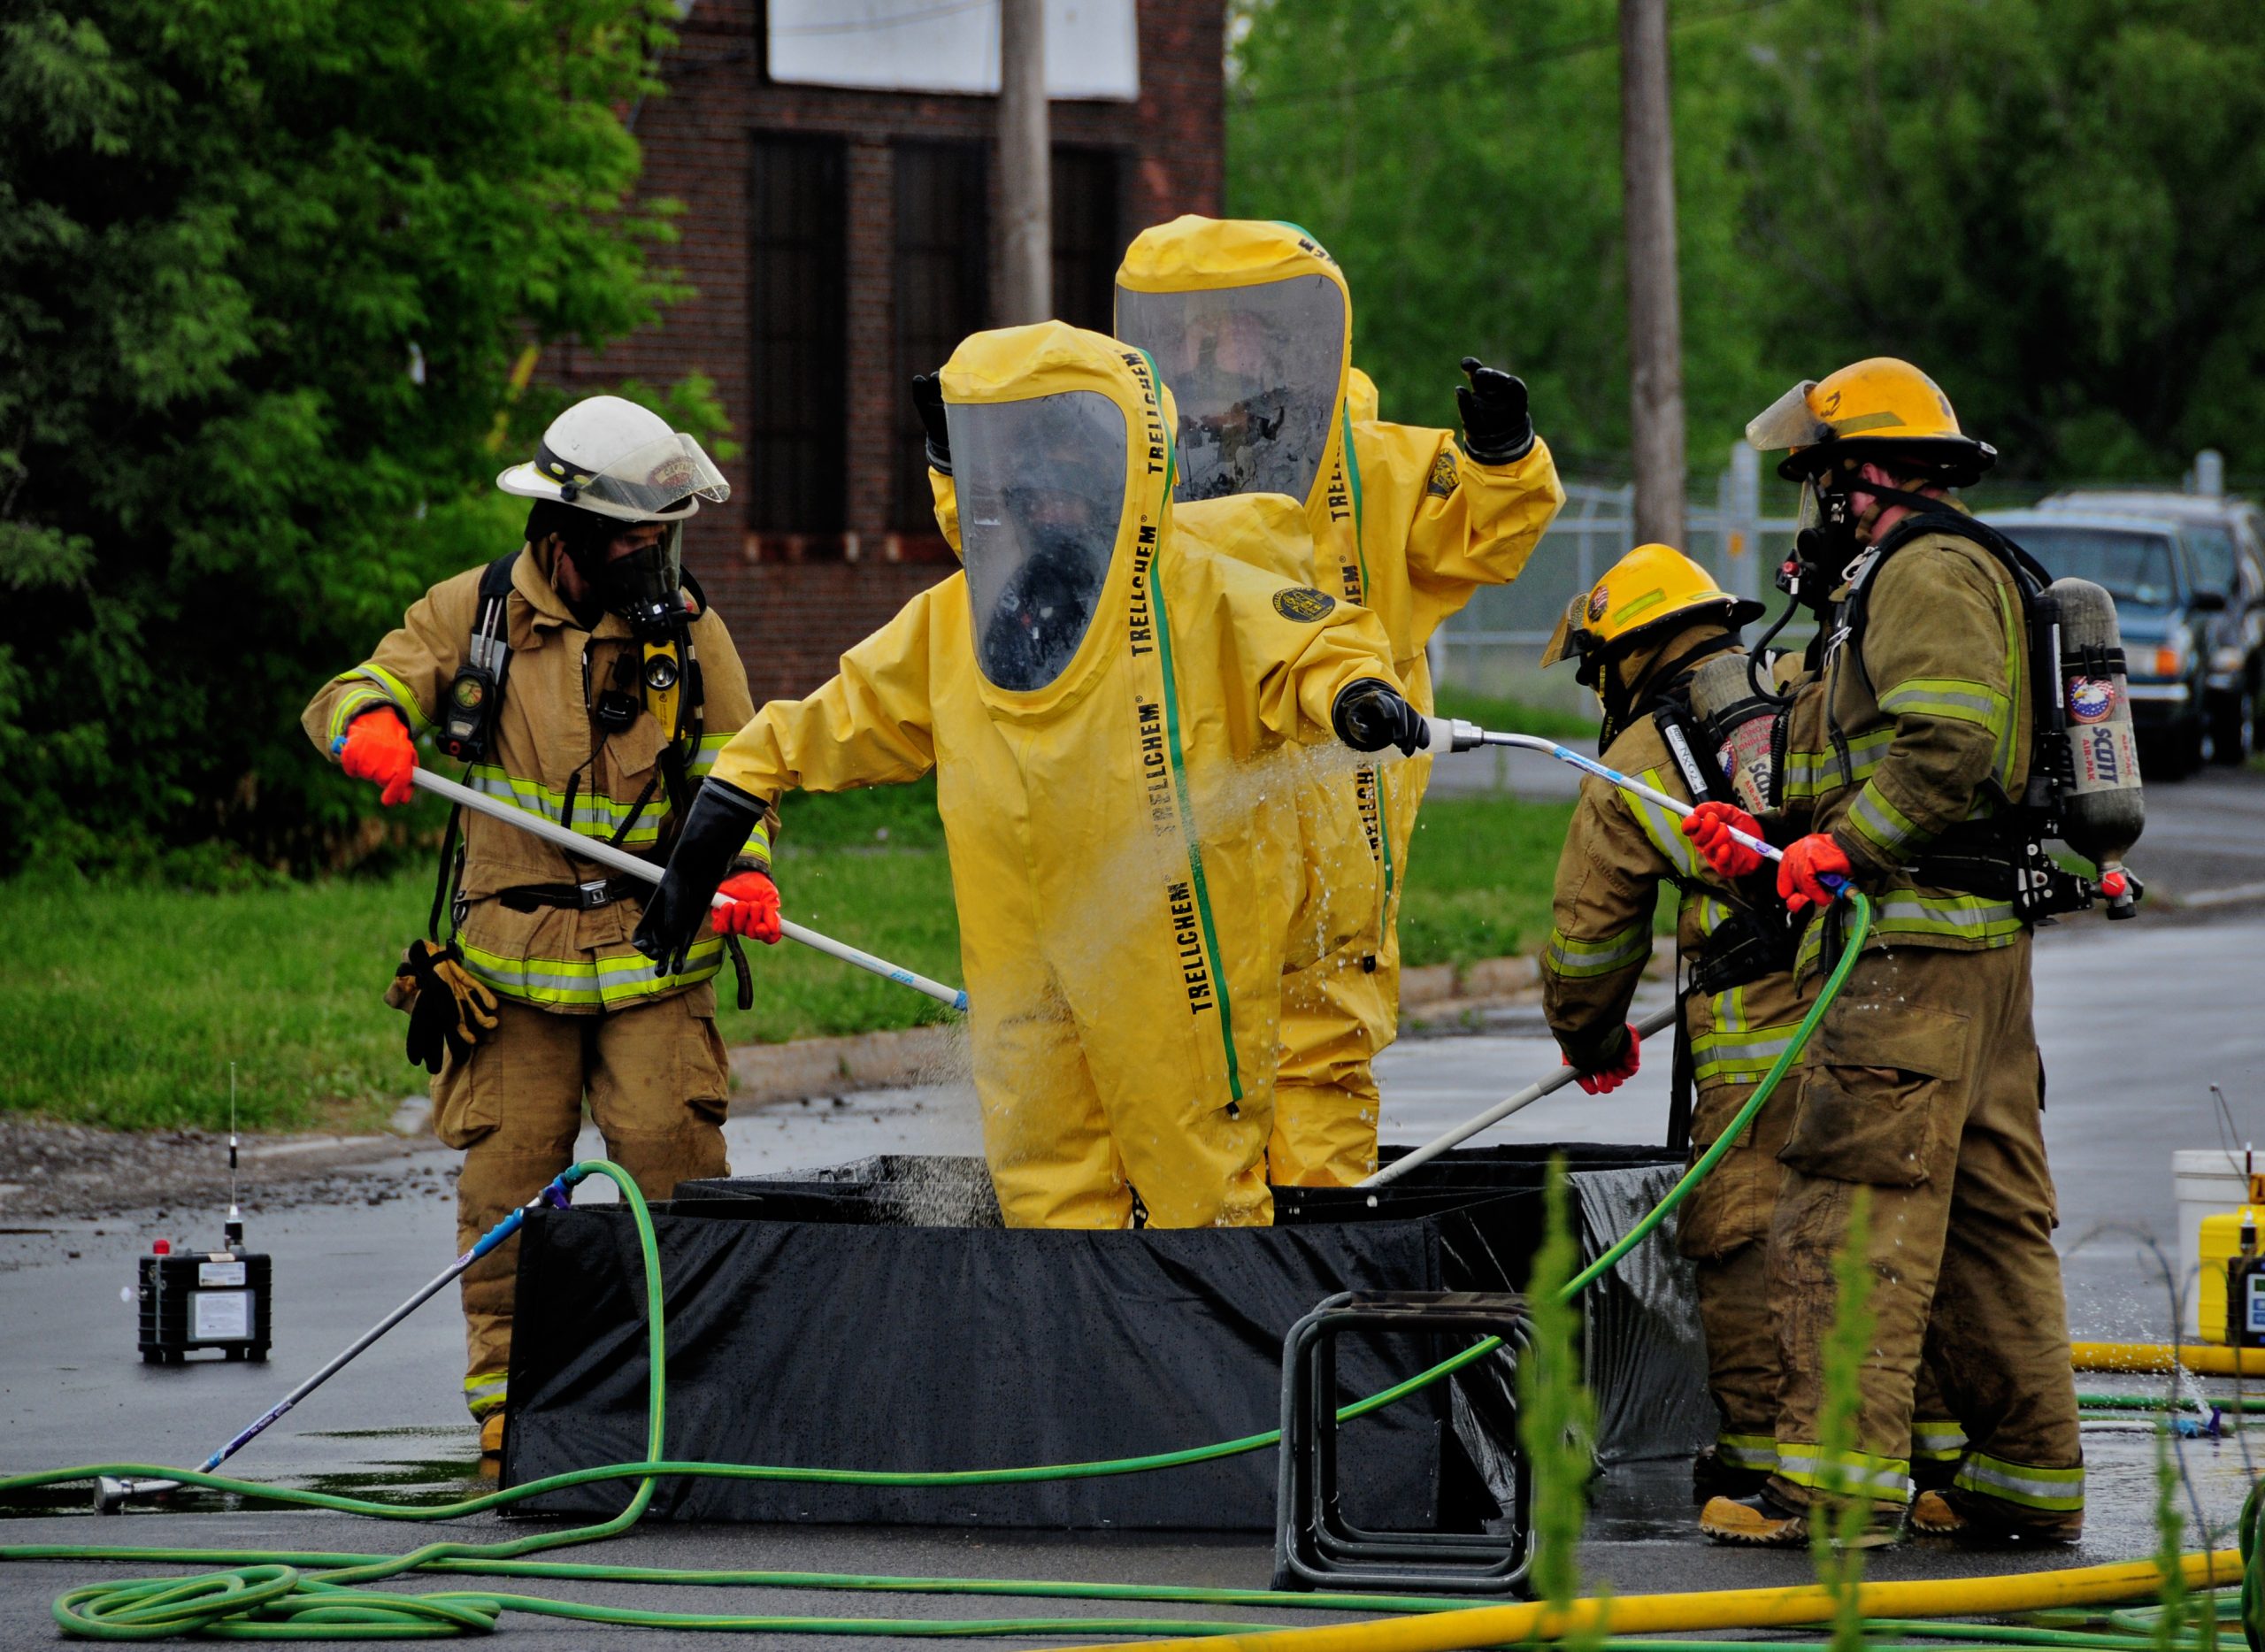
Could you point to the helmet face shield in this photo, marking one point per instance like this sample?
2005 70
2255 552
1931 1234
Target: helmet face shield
1255 371
1571 640
1791 421
1042 496
664 477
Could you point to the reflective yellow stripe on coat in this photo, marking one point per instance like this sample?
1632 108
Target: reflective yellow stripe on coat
589 983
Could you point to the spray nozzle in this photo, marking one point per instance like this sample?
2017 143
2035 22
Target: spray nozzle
1452 733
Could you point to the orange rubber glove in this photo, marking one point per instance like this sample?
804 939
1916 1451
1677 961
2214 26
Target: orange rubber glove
1709 825
1605 1080
379 749
754 910
1802 875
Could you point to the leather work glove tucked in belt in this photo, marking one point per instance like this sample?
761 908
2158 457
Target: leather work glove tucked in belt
449 1011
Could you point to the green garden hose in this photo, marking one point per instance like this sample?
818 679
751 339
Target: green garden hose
319 1595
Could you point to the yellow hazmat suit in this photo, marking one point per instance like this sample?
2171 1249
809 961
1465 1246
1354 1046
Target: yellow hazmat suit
1092 692
1251 324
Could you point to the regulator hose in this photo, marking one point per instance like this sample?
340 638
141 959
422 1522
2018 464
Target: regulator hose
319 1595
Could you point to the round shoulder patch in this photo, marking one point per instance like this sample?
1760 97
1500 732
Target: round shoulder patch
1304 602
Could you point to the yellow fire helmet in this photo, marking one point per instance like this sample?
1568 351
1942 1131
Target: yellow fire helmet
1650 589
1869 408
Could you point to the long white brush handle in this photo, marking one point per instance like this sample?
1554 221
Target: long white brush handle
590 848
1499 1110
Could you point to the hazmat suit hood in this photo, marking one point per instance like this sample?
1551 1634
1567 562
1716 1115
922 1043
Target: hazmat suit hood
1251 324
1063 463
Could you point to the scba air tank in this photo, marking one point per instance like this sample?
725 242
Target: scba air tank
2102 809
1731 696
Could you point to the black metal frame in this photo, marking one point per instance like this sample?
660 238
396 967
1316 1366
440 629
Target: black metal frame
1315 1546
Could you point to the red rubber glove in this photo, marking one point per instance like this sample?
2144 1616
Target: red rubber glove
1709 825
1806 864
379 749
754 910
1605 1080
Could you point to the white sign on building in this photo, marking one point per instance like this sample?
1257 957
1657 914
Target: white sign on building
1092 46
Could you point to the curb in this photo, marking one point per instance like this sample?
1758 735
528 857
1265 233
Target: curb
765 1074
1481 978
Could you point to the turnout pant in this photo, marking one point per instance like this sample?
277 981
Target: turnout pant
1724 1229
657 1085
1923 1085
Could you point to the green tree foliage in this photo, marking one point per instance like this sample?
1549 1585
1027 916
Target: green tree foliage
2052 204
2049 204
1461 159
264 268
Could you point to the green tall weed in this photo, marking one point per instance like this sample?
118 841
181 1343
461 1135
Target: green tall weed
2171 1534
1557 1416
1841 1507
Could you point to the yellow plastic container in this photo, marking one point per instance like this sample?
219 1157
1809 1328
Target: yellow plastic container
2221 1244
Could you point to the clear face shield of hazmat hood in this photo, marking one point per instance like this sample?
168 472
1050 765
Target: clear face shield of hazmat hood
1041 491
1256 371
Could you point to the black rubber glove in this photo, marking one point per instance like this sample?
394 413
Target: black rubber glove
928 396
449 1010
1370 715
1497 424
715 834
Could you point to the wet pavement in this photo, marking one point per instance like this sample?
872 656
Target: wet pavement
1639 1541
2136 1021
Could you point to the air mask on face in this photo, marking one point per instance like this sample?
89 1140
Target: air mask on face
643 587
1824 543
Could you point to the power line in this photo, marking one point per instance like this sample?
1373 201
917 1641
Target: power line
1472 71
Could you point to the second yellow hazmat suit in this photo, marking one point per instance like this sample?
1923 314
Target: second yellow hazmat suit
1250 323
1092 692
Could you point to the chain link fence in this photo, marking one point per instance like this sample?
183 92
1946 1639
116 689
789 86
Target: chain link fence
1494 646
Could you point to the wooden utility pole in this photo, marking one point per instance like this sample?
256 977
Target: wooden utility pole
1026 182
1655 304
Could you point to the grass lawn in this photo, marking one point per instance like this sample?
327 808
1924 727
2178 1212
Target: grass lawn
1514 716
123 1005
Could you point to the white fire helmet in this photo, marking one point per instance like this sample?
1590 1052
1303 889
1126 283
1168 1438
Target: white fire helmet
617 459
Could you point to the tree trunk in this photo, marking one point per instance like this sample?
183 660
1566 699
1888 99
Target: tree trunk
1655 306
1025 194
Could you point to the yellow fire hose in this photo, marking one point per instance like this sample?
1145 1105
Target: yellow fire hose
1718 1609
2206 1359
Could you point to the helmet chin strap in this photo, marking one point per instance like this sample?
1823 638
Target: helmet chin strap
1883 496
1822 553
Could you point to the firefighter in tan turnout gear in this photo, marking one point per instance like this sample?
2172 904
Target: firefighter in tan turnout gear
1923 1084
581 677
1651 626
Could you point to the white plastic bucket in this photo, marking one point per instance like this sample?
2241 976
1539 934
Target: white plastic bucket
2206 1181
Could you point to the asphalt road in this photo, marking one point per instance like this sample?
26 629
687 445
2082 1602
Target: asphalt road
2136 1021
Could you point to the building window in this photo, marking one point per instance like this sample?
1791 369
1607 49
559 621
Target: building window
942 291
797 269
1088 237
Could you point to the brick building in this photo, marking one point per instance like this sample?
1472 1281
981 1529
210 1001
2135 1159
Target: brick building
840 241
